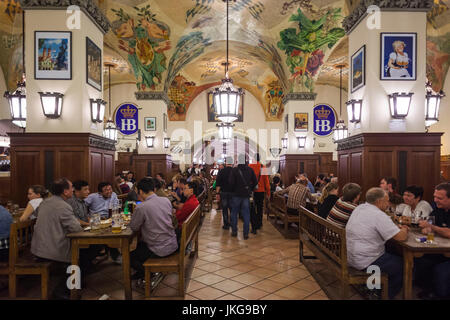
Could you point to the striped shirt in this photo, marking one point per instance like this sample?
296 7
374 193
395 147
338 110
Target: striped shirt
340 213
297 194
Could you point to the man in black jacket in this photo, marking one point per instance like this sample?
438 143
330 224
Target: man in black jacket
242 181
224 191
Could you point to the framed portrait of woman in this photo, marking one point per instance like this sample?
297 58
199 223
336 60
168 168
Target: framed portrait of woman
398 56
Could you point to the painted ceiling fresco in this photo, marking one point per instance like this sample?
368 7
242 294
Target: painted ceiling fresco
178 46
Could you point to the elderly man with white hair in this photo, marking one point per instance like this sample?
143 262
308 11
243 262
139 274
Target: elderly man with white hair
367 231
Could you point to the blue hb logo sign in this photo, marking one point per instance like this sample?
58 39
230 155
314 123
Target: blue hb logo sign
127 118
324 120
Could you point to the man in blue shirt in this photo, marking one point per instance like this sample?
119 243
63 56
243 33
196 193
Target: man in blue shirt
99 202
5 224
304 176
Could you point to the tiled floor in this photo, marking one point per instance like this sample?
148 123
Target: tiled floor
266 266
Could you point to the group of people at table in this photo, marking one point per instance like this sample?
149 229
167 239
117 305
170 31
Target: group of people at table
370 225
157 220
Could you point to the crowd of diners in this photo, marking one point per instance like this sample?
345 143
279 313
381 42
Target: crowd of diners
68 206
164 206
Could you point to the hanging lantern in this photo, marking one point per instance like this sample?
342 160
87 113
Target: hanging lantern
166 142
18 104
340 131
284 143
97 109
433 102
399 104
301 142
225 131
51 103
226 101
110 130
354 108
150 140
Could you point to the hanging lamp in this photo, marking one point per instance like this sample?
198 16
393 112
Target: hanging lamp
18 104
227 97
433 102
340 131
110 130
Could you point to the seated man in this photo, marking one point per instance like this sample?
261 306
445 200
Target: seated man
153 218
297 195
80 209
55 220
178 193
100 201
413 203
344 207
304 176
189 206
5 224
441 270
159 190
389 184
367 231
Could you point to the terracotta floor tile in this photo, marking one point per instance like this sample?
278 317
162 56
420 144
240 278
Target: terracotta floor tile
210 267
297 273
317 297
189 297
209 279
307 285
263 272
283 278
228 262
277 267
228 285
207 293
228 272
229 297
194 285
269 286
245 267
257 254
292 293
250 293
247 279
273 297
212 258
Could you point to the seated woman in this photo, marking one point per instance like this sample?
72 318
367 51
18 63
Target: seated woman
36 194
328 199
189 191
159 188
413 203
5 223
276 184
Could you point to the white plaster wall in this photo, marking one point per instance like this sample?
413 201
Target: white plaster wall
76 106
444 119
375 115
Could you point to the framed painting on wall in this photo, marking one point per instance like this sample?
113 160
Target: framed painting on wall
398 56
150 124
93 65
212 115
300 121
53 55
358 69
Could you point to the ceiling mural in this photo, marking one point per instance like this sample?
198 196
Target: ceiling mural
178 46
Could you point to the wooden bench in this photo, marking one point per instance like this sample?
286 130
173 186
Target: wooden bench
177 261
21 261
328 243
279 208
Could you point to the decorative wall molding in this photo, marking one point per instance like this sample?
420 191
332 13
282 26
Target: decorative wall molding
87 6
354 18
351 143
101 143
296 96
149 95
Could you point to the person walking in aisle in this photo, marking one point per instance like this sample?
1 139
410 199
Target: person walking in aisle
263 188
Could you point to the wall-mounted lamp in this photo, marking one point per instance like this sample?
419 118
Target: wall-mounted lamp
284 143
51 103
354 108
150 140
399 104
97 109
301 142
433 102
275 152
166 142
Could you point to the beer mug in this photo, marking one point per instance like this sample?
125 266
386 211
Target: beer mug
430 235
116 223
95 221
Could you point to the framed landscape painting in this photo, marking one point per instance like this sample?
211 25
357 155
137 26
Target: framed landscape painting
150 124
93 65
53 55
358 69
398 56
300 122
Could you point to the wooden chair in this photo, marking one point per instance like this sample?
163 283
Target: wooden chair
21 261
175 262
328 243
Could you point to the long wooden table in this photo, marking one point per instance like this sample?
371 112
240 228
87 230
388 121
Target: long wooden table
113 240
413 249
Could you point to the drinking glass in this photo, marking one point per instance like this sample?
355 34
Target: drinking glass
430 235
95 221
9 205
415 218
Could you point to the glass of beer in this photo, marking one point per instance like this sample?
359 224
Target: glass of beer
95 222
116 225
430 235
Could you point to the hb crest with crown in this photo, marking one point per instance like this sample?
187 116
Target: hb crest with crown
322 113
127 118
324 120
128 112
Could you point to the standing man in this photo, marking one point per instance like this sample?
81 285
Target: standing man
80 209
224 191
242 182
263 188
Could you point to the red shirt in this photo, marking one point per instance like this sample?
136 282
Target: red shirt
263 185
188 207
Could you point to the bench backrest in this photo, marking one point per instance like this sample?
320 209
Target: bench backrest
20 239
328 238
279 202
188 230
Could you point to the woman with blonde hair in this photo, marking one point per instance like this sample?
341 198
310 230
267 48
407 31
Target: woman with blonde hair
328 199
398 61
36 194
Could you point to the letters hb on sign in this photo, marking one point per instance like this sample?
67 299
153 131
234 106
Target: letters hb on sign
323 125
128 124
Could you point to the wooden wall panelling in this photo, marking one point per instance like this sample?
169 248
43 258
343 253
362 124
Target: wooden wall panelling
30 172
96 170
71 164
423 171
108 167
5 190
445 167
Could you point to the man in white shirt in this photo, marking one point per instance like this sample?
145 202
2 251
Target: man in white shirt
367 231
